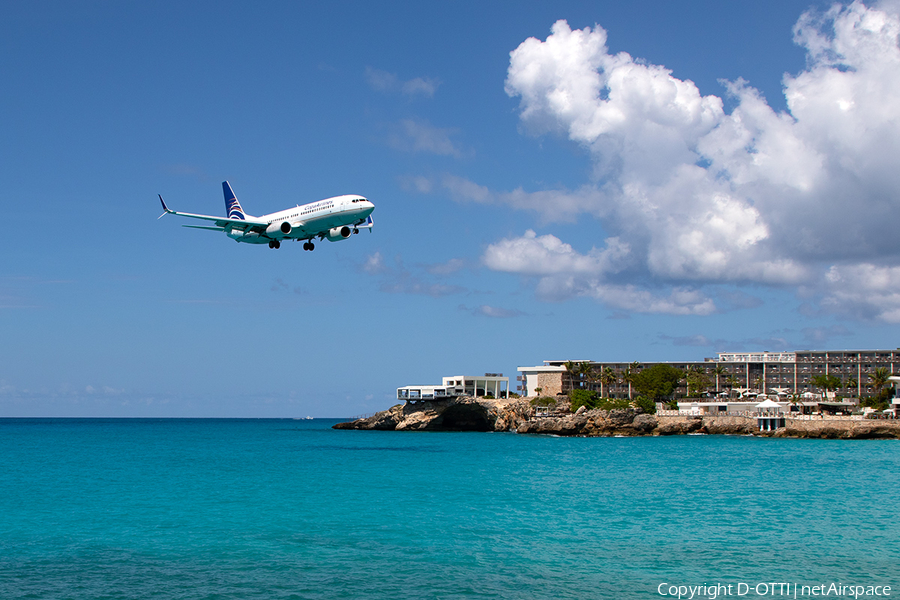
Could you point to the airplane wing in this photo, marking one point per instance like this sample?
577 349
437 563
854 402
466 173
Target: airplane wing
202 227
220 222
367 224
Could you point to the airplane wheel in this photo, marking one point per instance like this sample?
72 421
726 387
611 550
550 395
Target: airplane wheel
312 246
277 244
355 230
271 244
306 245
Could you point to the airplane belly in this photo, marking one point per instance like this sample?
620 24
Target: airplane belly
324 223
253 240
320 225
247 237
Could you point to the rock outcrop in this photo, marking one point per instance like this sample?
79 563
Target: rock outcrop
481 414
866 429
516 414
626 422
456 414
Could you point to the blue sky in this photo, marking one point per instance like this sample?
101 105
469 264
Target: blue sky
728 184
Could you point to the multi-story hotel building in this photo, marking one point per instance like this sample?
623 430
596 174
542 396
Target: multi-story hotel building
763 372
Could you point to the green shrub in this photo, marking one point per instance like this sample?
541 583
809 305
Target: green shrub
612 403
591 400
880 401
543 401
645 404
579 398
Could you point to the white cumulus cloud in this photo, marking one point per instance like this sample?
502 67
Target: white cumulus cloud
865 291
691 195
548 255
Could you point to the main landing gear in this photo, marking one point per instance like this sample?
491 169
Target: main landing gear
275 244
309 246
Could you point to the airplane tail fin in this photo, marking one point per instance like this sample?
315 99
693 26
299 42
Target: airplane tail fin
232 206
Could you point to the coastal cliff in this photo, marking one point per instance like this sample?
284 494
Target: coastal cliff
457 414
516 414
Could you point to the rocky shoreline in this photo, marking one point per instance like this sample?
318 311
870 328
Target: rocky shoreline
516 414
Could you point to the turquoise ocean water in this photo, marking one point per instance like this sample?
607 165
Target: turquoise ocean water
222 509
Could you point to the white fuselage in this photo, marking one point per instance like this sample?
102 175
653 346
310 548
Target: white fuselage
333 219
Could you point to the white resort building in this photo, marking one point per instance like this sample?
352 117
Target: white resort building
736 379
491 384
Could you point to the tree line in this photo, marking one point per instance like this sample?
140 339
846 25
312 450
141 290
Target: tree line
659 382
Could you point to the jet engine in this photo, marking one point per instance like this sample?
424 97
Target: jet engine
336 234
276 230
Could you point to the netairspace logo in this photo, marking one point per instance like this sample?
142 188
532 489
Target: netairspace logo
772 589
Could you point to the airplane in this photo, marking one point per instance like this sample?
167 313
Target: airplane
332 219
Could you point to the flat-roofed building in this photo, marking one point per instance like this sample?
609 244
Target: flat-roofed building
895 401
491 384
414 393
792 372
544 380
770 373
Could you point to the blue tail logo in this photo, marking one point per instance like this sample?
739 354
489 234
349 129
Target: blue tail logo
232 206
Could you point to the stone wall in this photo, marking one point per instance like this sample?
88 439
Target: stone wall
840 429
550 384
735 425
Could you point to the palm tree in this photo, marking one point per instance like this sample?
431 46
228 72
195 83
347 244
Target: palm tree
629 374
608 377
879 378
579 373
730 382
719 370
696 380
758 383
571 371
826 382
588 374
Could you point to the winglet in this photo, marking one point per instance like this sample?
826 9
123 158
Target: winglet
369 222
165 208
